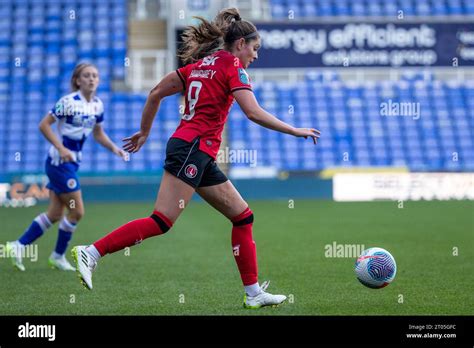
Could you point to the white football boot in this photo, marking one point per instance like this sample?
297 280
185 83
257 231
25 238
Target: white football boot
14 250
85 265
60 263
263 298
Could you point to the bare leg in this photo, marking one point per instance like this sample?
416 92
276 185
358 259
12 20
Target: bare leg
74 204
224 198
173 197
55 208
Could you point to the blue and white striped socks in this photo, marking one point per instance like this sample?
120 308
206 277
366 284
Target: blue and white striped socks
39 225
66 228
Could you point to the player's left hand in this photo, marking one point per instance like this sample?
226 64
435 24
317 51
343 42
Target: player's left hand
135 142
122 154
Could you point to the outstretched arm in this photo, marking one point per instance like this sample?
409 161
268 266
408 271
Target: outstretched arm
255 113
170 84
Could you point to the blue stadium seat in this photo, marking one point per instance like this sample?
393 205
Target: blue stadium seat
455 7
344 110
48 44
390 8
469 7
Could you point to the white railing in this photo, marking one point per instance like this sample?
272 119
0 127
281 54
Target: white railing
252 9
148 9
147 68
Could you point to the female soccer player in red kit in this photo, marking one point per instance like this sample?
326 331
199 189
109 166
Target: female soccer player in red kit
218 53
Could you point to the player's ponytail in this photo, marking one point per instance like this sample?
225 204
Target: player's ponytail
226 17
200 41
209 37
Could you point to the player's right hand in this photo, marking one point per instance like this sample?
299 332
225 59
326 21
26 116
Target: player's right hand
65 154
135 142
307 132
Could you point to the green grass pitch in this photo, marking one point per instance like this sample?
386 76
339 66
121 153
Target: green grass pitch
191 270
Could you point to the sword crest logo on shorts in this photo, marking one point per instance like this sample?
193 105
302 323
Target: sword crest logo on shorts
191 171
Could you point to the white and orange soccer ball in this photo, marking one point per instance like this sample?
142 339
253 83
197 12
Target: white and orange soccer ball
375 268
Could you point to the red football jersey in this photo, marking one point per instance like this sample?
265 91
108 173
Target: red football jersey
208 85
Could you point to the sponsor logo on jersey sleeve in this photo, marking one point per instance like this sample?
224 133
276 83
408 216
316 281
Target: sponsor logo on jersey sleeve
243 76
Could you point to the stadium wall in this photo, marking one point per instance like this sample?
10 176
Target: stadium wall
262 189
28 191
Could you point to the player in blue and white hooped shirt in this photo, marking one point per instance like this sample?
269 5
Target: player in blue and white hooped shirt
78 115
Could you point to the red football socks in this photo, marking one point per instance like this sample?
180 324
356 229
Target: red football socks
133 233
243 246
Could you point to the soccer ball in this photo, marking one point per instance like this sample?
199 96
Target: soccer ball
375 268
